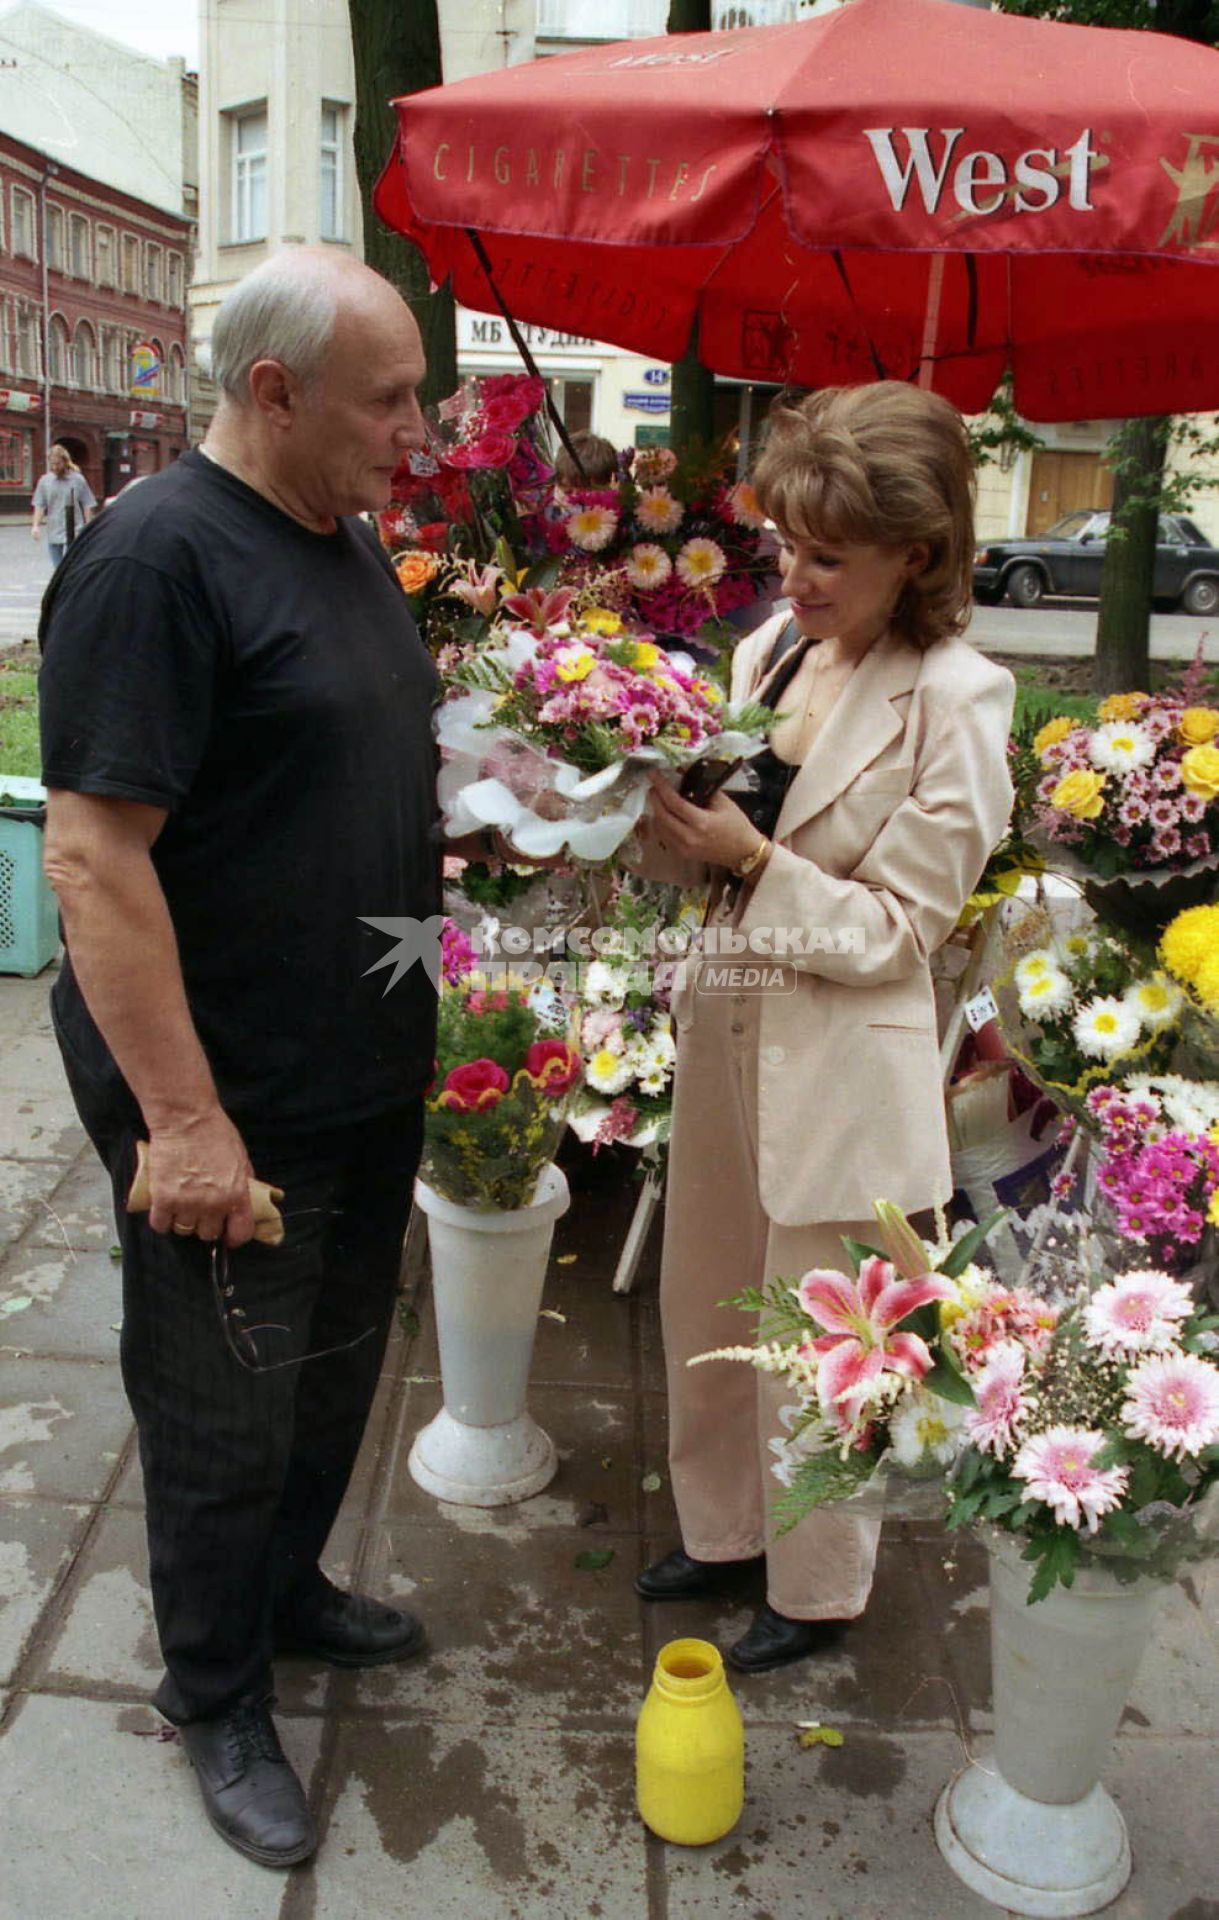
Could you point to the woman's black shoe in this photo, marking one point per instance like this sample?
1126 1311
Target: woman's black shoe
773 1641
678 1577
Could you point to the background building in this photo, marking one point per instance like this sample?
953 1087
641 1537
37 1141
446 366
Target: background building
97 196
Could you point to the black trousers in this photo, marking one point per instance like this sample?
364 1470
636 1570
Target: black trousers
244 1472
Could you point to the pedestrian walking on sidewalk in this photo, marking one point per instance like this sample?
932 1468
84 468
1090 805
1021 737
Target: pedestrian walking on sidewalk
238 753
801 1101
63 503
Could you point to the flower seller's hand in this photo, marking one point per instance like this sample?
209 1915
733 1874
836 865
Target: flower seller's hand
720 835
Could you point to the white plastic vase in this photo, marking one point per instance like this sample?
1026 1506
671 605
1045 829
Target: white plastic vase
484 1449
1029 1825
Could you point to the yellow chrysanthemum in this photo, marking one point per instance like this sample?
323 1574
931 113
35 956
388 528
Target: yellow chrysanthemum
1198 726
1081 794
1189 941
1206 983
602 620
644 655
1052 732
1200 771
1122 706
574 663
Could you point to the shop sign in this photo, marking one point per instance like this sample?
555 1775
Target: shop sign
147 420
647 402
477 331
146 368
14 402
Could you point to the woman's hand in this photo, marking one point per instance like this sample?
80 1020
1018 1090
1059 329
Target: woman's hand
719 835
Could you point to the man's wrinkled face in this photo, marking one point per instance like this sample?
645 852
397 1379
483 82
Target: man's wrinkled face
354 423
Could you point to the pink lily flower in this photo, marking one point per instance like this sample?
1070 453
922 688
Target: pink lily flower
538 609
479 587
860 1342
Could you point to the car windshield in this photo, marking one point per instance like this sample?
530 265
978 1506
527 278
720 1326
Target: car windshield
1069 527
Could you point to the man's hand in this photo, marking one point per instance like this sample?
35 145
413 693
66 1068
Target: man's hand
719 834
199 1172
35 532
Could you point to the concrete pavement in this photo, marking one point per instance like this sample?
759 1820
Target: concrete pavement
494 1777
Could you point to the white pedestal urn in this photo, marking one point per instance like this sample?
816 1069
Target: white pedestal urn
484 1449
1029 1825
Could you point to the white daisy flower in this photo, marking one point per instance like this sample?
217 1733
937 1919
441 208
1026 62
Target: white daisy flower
592 528
1041 960
701 563
654 1081
1104 1027
608 1072
1045 995
1121 746
648 566
1156 1001
657 511
1071 948
603 986
926 1432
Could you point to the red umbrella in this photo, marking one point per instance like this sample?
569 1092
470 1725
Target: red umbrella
901 188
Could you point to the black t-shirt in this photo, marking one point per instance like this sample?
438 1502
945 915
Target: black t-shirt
206 653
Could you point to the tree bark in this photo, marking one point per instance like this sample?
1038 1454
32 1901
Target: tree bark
396 48
1123 628
692 415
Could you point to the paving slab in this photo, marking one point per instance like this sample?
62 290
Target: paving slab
56 1301
39 1126
25 1005
517 1632
37 1540
449 1821
79 1216
63 1426
598 1478
31 1062
106 1641
25 1198
111 1822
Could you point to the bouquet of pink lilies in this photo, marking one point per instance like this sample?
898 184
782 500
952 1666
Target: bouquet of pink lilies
1089 1425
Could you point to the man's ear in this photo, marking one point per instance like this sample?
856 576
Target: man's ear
275 391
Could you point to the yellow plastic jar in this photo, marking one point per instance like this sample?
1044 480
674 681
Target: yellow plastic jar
690 1747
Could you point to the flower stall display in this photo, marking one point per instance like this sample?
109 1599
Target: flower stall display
675 547
561 718
1158 1173
626 1036
491 1196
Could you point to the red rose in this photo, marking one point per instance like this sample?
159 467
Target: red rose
474 1087
553 1065
433 537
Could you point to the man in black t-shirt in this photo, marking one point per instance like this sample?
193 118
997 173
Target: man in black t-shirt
237 746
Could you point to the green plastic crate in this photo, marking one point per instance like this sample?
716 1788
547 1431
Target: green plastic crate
29 914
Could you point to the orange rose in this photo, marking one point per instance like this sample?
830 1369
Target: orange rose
415 570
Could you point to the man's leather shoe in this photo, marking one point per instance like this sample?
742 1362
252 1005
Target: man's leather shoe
349 1630
774 1641
250 1793
678 1577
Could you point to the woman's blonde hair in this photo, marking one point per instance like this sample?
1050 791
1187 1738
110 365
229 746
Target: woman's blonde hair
884 465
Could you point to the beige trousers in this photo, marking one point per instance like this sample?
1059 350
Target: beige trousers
723 1414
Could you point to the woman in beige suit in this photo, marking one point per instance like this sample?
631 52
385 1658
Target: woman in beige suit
803 1095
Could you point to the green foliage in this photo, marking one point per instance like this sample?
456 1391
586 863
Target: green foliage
964 1249
20 752
1035 704
494 888
826 1477
1001 430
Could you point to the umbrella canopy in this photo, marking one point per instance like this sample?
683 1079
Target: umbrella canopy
900 189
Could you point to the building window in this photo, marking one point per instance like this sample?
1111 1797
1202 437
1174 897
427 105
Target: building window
24 223
131 264
79 263
175 282
103 243
114 360
154 281
249 147
330 220
84 357
16 461
27 358
177 376
56 256
60 351
6 325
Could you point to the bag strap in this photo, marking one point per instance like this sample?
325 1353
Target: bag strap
789 648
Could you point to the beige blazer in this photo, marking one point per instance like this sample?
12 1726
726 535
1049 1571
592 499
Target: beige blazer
883 836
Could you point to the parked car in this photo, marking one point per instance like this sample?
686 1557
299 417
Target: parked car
1068 560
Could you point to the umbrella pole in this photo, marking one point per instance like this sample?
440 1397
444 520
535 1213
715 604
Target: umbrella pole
522 346
931 320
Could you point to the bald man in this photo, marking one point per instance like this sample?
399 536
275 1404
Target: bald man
237 746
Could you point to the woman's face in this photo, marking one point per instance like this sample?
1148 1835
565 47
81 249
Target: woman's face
845 591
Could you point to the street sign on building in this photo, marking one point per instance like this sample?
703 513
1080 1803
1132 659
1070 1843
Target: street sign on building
646 402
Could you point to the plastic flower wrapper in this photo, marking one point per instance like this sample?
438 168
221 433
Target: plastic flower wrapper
560 722
882 1382
1100 1442
495 1112
1080 1009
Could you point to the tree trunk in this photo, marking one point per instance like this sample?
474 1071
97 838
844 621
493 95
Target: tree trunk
396 50
1123 655
693 394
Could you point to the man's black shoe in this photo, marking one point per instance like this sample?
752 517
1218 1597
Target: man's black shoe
252 1797
774 1641
349 1630
678 1577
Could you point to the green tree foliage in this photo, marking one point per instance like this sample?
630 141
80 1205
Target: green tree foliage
396 45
